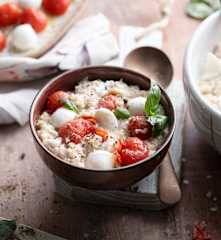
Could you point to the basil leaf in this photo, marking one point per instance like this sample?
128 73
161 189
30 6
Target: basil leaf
69 105
198 9
160 110
122 113
7 229
159 123
214 4
153 101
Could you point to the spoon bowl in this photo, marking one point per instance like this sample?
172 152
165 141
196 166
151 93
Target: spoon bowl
155 64
151 62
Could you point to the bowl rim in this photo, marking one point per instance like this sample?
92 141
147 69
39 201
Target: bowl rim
188 75
40 143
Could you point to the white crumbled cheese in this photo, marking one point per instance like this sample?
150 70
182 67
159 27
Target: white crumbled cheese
100 160
106 119
136 106
62 116
30 3
86 97
24 38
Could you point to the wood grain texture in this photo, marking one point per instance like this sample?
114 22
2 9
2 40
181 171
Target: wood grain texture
27 186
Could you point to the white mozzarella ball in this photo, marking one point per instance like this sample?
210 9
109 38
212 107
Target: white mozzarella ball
136 106
24 38
61 116
30 3
100 160
106 119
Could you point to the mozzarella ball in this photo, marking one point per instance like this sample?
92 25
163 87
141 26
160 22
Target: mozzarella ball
24 38
136 106
61 116
100 160
106 119
30 3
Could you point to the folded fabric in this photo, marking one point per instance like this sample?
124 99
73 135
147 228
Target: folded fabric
12 110
15 106
76 49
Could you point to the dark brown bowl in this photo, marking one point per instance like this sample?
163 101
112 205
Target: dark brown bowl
109 179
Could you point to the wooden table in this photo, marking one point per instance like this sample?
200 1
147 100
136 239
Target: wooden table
27 186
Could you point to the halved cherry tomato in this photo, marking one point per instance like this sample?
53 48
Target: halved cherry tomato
109 101
131 150
75 130
54 101
56 7
102 133
34 17
139 127
2 41
10 13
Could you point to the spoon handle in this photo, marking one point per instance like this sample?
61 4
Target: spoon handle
169 189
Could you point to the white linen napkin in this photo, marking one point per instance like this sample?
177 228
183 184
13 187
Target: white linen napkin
14 106
73 51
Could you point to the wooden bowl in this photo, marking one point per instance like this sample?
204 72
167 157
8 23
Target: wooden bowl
97 179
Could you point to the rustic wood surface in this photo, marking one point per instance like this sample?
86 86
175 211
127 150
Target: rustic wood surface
27 186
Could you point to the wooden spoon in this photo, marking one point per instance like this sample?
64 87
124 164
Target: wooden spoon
155 64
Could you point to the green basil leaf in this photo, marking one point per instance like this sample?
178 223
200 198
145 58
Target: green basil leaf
69 105
214 4
159 123
198 9
7 229
160 110
153 101
122 113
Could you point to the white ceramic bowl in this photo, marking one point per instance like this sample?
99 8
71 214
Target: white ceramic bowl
206 119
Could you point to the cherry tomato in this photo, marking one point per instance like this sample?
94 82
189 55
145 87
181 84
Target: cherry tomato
54 101
56 7
131 150
2 41
76 130
109 101
139 127
10 13
34 17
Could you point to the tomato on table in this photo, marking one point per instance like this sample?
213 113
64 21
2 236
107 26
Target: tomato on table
10 14
131 150
56 7
139 127
76 130
55 101
109 101
2 41
36 18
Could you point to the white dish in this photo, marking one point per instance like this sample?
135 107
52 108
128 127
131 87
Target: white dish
206 119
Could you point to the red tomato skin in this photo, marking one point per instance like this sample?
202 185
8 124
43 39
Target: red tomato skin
56 7
10 13
76 130
108 101
54 101
139 127
36 18
131 150
2 41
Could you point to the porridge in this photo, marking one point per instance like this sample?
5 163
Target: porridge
210 83
103 124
